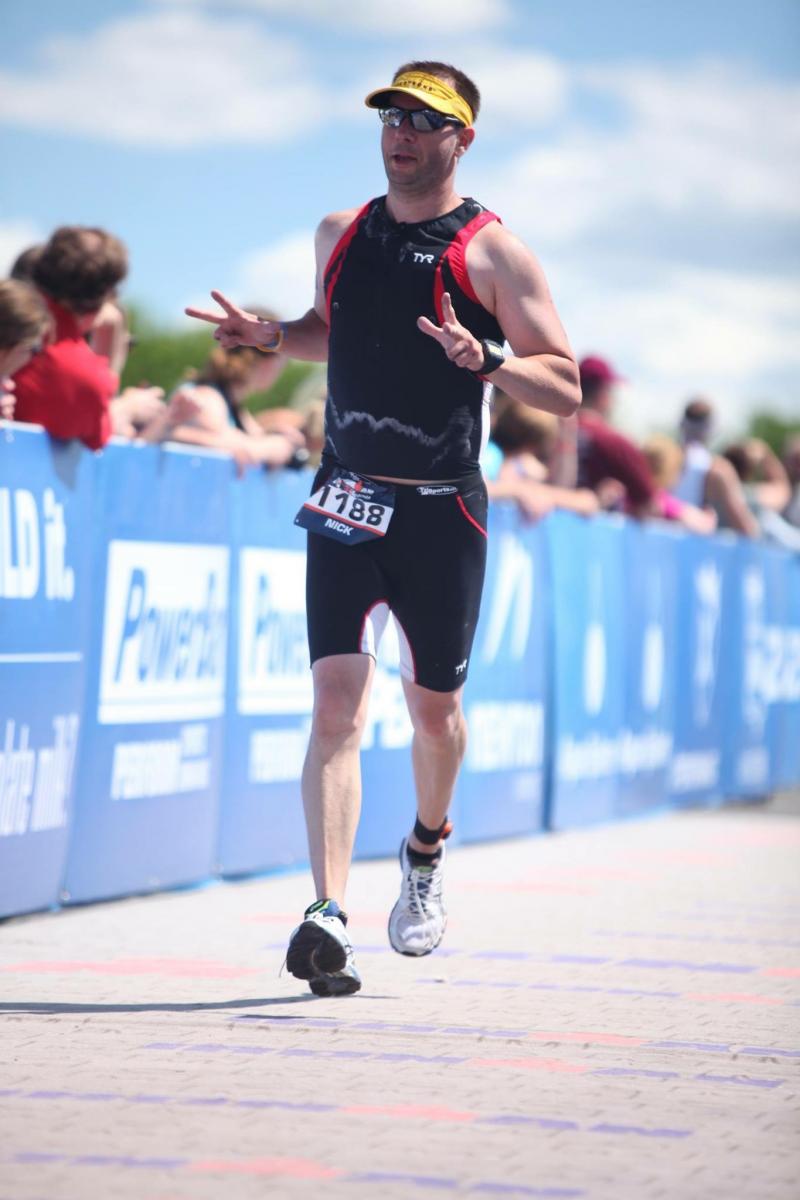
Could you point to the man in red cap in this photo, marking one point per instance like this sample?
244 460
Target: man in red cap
416 293
603 453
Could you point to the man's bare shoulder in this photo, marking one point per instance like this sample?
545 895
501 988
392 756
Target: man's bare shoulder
331 228
495 247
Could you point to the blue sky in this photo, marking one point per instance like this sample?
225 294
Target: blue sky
647 152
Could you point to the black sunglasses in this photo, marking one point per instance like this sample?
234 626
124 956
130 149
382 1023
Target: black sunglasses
424 120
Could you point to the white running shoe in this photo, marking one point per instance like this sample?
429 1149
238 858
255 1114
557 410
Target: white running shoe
320 952
418 920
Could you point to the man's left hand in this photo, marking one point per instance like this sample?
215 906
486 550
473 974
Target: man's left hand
460 346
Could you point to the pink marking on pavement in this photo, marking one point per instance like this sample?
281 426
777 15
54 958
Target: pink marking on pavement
732 998
424 1112
181 967
296 1168
601 1039
553 1065
782 972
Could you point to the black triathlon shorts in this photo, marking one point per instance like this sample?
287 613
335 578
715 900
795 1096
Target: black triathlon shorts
427 571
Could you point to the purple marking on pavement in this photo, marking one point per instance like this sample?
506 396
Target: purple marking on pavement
640 1131
636 1071
743 1080
591 959
205 1101
541 1122
33 1156
349 1054
9 1092
667 964
143 1098
711 1047
515 955
42 1095
722 938
767 1050
521 1189
436 1181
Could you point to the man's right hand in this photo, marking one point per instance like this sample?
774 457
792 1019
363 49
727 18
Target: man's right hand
235 327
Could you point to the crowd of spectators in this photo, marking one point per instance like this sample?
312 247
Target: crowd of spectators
64 341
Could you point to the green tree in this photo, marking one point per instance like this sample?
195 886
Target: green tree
772 429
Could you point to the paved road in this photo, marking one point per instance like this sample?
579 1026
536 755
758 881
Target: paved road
614 1014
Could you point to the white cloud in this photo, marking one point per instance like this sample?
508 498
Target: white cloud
16 236
168 78
700 141
384 17
280 276
729 334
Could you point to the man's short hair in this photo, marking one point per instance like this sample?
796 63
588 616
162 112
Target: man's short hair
79 267
23 314
458 81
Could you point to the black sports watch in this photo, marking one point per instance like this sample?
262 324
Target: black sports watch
493 357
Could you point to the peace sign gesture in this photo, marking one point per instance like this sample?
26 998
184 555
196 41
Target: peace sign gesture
235 327
460 346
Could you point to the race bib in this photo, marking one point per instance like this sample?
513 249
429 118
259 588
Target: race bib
348 508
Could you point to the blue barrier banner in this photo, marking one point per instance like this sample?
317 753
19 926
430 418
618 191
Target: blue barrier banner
704 582
650 616
759 610
45 511
501 787
589 664
268 712
149 772
787 765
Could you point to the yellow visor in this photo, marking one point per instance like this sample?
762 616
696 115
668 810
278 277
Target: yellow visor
433 92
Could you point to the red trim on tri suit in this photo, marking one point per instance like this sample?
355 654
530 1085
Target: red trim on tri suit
456 255
469 517
339 251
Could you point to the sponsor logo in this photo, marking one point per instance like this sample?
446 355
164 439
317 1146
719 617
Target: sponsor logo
708 606
594 648
163 767
33 547
422 258
164 632
35 782
444 490
511 605
462 667
274 673
505 735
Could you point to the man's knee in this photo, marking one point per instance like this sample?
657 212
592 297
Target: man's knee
437 716
341 694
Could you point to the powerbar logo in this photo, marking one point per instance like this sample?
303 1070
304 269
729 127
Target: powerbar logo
164 633
274 674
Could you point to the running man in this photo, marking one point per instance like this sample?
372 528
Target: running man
417 293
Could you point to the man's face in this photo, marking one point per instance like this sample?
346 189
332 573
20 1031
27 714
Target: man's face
415 162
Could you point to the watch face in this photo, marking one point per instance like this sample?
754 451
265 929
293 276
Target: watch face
493 356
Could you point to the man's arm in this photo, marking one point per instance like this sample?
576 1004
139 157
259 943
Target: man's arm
724 492
510 283
307 337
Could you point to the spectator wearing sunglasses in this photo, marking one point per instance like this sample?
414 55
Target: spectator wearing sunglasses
24 325
68 388
417 291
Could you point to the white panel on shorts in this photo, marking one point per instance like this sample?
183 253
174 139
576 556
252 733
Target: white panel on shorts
372 628
407 667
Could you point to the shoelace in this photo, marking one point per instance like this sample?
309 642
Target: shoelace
423 885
